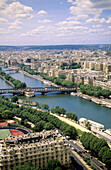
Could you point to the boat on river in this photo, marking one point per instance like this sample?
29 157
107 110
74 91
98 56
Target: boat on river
73 94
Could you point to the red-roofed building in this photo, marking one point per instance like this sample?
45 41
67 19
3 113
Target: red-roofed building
2 124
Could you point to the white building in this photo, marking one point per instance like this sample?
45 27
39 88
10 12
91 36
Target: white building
94 125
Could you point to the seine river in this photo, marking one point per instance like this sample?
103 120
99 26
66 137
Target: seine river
81 107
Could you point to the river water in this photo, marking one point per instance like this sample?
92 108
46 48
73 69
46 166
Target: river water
81 107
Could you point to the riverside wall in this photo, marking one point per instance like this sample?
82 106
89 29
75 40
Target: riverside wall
7 81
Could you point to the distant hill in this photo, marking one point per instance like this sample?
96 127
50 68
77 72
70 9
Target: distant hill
57 47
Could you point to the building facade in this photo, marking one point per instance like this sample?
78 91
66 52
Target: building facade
38 148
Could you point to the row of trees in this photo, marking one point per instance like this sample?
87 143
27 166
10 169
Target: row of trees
96 91
16 83
74 65
58 110
42 120
98 147
70 66
27 69
42 106
31 103
52 164
58 81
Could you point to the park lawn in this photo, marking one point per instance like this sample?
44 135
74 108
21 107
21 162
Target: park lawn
79 132
4 133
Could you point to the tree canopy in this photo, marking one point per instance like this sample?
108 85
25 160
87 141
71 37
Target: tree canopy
53 164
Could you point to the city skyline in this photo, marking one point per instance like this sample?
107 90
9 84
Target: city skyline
47 22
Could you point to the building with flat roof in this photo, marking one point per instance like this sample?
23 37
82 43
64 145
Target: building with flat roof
38 148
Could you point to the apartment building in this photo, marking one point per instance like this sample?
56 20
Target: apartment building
38 148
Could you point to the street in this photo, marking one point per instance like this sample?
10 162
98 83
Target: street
78 148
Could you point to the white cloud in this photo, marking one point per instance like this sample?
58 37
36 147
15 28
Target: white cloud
97 26
16 10
17 22
61 35
109 27
78 17
34 32
44 21
2 4
42 13
109 20
84 10
95 31
70 1
104 4
14 27
106 33
68 23
96 20
89 8
99 20
41 31
4 31
3 20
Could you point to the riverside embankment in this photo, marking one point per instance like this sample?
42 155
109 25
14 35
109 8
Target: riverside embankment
38 77
7 81
75 104
103 102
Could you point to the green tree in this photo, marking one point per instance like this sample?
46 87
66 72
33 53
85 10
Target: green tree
7 114
52 164
14 98
102 151
71 131
106 158
27 166
72 116
48 126
39 126
25 121
92 143
61 76
58 168
100 144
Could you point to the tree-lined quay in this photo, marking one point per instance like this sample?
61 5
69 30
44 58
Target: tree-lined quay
16 83
98 147
90 90
43 120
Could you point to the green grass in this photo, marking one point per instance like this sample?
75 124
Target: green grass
4 133
79 132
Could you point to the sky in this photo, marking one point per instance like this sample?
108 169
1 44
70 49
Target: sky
55 22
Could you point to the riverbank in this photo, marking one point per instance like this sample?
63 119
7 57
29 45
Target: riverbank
71 122
102 102
38 77
7 81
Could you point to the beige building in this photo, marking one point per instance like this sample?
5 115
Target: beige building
104 85
38 148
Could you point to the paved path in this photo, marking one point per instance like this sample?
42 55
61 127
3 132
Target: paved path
70 122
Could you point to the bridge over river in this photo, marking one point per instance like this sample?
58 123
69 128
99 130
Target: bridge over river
42 90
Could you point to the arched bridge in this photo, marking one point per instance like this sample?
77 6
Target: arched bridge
42 90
